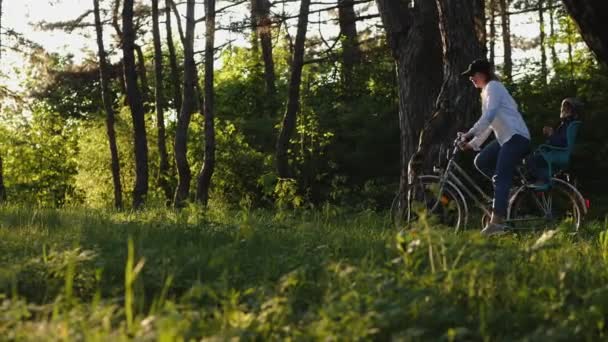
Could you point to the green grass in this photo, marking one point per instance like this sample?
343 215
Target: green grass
330 274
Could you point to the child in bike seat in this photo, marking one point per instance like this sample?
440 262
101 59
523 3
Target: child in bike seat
558 137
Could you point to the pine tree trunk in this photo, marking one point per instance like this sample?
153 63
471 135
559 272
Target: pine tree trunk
351 53
263 29
204 178
2 188
413 36
143 77
134 97
492 31
543 52
554 58
188 106
458 101
293 101
106 95
163 165
175 77
506 41
591 17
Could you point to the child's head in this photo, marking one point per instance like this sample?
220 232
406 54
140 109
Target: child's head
571 107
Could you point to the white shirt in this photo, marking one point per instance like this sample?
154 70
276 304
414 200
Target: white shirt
499 115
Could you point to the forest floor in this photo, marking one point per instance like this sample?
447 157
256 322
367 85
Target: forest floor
330 274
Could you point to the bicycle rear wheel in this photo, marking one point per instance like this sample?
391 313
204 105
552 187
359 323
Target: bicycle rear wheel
445 206
537 210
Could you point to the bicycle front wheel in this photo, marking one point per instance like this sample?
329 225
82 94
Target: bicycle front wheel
530 209
444 204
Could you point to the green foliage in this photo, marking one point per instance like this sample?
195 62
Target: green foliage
38 154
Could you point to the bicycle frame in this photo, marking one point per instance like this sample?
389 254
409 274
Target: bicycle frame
458 176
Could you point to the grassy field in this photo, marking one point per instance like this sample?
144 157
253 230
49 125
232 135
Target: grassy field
331 274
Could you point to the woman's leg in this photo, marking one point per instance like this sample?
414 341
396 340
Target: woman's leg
510 155
486 160
538 168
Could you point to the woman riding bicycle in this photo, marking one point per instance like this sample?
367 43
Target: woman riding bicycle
498 159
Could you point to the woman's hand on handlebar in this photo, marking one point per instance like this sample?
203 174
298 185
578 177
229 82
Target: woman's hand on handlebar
464 146
463 141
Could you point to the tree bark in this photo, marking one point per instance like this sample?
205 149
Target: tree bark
351 53
175 76
2 188
134 97
204 178
293 101
591 17
458 102
163 165
143 77
260 12
108 102
543 53
554 59
188 106
506 41
492 37
413 36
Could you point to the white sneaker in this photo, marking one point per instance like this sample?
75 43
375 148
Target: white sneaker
494 229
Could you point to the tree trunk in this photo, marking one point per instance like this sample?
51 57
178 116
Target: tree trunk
2 188
543 53
492 31
506 41
143 77
108 102
163 165
204 178
554 59
413 36
351 53
458 101
175 77
591 17
188 106
263 28
293 100
480 26
137 109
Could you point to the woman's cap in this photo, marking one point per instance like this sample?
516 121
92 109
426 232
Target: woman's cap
478 65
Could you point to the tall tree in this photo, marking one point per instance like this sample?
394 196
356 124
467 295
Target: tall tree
189 102
506 40
263 27
351 53
163 167
458 101
552 11
108 103
591 17
2 188
293 100
175 77
141 71
492 38
134 97
413 36
204 178
543 52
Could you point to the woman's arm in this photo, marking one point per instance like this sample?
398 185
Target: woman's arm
480 139
494 96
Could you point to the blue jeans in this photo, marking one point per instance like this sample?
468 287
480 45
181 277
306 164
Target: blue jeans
498 163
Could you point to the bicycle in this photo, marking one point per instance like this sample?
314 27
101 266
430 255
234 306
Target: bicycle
446 196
